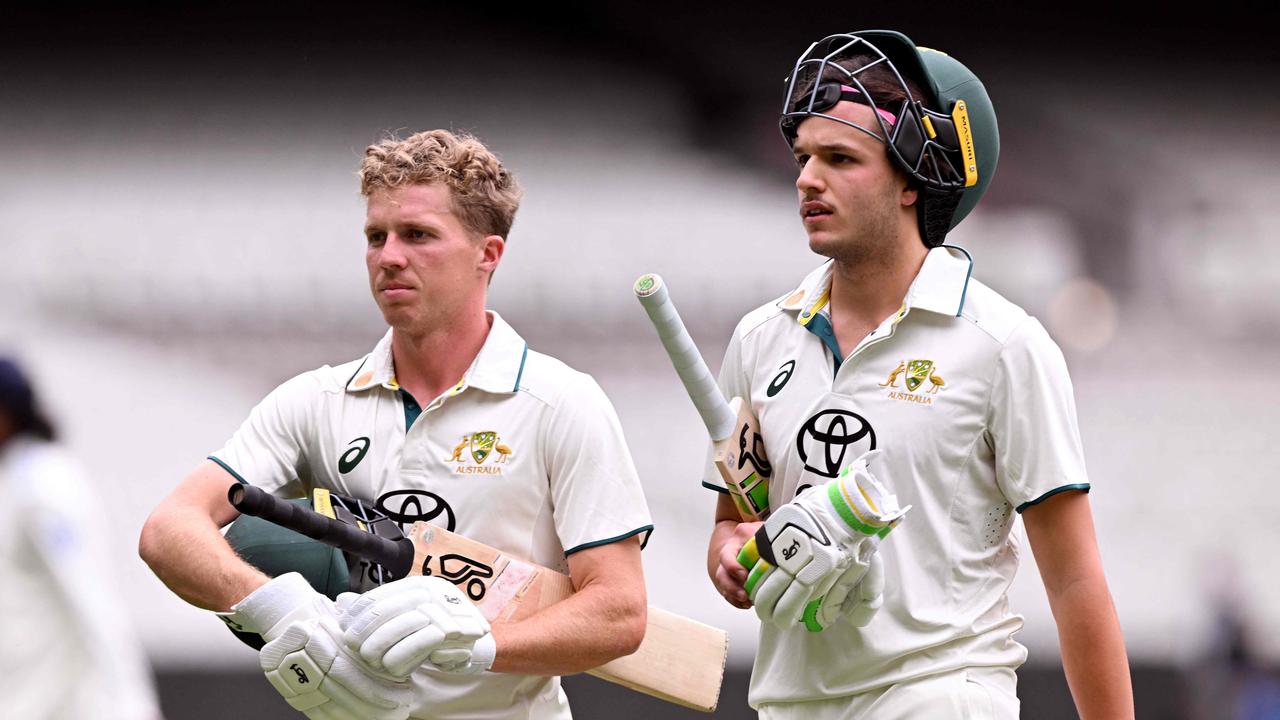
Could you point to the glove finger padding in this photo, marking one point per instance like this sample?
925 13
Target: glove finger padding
368 614
766 590
396 641
409 654
790 557
397 627
291 670
826 608
867 598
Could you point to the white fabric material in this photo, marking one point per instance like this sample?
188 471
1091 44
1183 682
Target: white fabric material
61 612
971 402
308 665
280 601
399 626
971 694
525 454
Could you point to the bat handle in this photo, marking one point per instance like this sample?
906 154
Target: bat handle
698 381
395 556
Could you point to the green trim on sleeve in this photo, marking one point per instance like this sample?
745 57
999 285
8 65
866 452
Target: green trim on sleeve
227 467
647 530
717 488
1078 486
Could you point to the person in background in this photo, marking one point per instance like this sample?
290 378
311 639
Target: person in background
66 648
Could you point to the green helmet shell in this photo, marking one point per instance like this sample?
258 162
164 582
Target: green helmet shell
276 550
947 81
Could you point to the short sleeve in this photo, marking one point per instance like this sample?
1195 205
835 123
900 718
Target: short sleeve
1033 428
595 488
268 449
733 383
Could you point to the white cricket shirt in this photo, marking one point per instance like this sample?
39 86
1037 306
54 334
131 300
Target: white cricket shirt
971 402
524 454
68 648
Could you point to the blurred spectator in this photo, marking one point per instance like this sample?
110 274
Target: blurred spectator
66 648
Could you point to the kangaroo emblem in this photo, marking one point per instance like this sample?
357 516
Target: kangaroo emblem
893 376
457 451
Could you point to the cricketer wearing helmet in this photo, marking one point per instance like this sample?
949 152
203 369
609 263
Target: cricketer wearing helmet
892 346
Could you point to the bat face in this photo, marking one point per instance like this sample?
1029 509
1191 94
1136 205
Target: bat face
743 464
680 660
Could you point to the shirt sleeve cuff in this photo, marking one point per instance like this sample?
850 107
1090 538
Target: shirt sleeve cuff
1083 487
644 533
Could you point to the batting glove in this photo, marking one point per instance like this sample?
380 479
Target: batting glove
316 675
281 601
824 538
400 626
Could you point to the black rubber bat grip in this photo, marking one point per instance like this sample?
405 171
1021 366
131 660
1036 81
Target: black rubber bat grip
396 556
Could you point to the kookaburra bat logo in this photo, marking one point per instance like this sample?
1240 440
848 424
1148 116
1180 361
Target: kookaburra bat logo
470 575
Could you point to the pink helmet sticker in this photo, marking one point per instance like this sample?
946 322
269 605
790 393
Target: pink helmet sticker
885 114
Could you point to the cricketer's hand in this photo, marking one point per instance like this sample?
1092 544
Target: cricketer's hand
822 541
280 602
418 620
308 665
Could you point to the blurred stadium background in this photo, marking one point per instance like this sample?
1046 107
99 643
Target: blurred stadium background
180 231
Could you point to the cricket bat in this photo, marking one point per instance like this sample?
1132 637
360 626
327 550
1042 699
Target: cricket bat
735 433
680 660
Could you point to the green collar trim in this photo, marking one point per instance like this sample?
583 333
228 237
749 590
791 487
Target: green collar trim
819 324
411 409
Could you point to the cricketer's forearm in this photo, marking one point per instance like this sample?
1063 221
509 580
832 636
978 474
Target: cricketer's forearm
182 544
602 620
1093 652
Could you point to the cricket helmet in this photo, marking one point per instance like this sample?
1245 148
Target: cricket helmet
947 141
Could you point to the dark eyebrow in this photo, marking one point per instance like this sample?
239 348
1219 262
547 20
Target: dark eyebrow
836 147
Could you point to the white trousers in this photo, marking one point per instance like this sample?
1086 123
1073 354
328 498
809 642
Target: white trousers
969 694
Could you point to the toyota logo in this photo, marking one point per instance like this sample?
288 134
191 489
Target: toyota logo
824 440
409 507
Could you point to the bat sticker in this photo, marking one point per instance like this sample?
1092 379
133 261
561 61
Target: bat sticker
468 574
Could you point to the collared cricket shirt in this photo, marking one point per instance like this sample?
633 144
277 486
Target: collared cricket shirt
971 402
524 454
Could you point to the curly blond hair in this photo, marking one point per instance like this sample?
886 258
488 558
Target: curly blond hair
485 194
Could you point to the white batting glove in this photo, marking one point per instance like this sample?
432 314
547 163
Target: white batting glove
824 538
271 608
398 627
308 665
856 597
865 600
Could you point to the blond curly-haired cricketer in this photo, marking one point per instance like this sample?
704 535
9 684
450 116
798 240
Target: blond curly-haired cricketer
451 417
